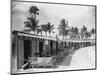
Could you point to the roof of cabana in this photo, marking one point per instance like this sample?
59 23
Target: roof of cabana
20 33
25 34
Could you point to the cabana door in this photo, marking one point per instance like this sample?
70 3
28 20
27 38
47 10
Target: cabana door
27 49
40 47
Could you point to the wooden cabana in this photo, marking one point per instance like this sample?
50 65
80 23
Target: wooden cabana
25 45
30 45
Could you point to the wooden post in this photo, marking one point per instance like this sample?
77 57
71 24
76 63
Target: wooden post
54 47
33 47
20 53
49 48
14 56
37 45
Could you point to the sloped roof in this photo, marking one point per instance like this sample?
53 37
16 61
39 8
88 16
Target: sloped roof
21 33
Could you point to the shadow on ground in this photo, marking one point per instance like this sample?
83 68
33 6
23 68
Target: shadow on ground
64 60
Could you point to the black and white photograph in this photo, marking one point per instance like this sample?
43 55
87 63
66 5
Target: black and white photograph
52 37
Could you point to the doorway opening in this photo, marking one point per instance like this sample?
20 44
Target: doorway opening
40 48
27 50
51 44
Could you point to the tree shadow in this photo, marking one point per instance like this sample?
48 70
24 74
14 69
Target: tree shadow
64 60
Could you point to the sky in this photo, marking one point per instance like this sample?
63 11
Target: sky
75 14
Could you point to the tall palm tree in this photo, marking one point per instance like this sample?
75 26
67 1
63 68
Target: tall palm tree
88 35
84 29
39 30
32 23
92 31
67 32
50 28
72 33
62 27
83 32
76 31
44 28
34 11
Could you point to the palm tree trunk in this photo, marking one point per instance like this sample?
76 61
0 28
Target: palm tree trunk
41 33
46 34
50 34
35 32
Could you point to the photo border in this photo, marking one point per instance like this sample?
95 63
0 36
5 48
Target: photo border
58 4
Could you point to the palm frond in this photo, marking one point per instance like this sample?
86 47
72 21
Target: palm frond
27 30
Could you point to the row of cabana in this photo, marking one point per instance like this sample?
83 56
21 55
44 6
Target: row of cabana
26 45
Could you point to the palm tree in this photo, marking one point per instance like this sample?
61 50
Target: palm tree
67 32
62 27
76 31
44 28
32 23
39 30
88 34
34 11
92 31
72 33
50 28
83 32
84 29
